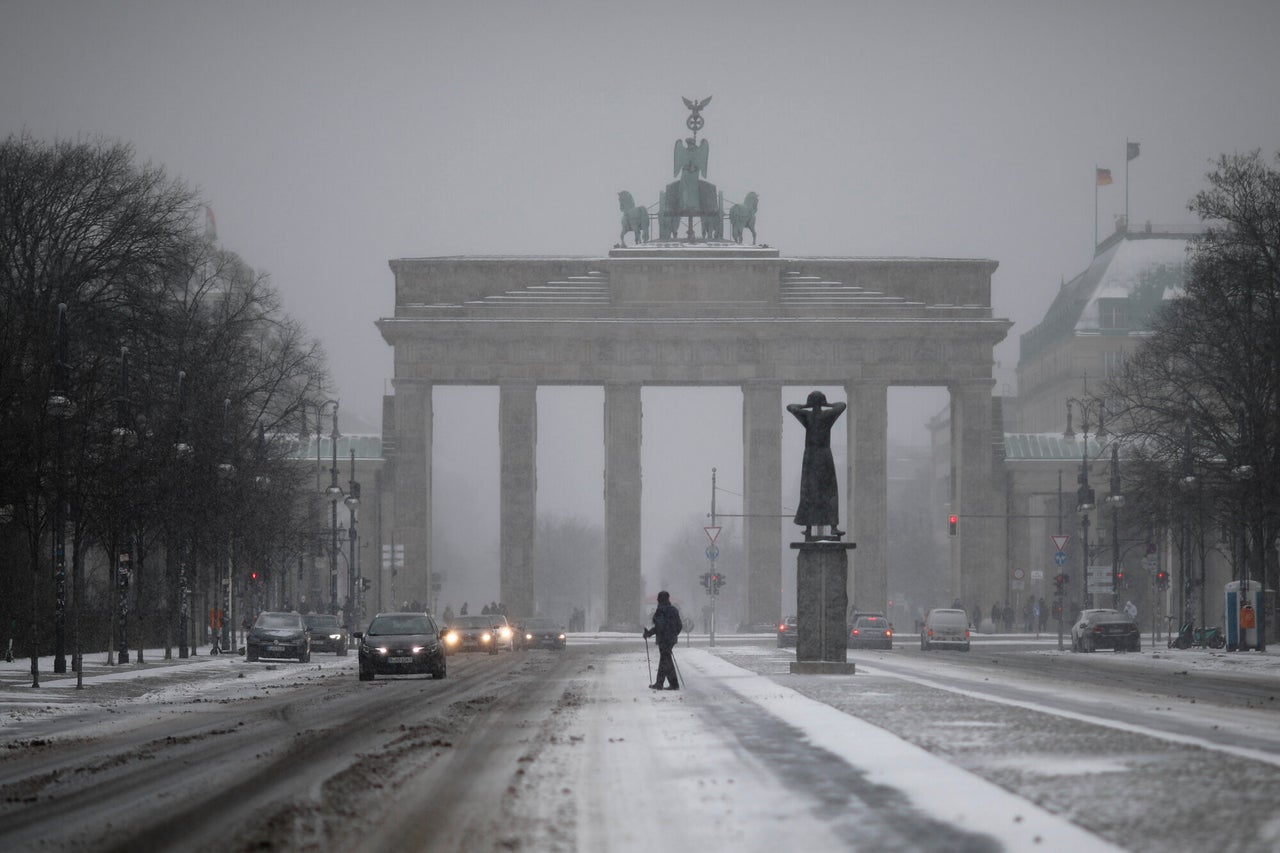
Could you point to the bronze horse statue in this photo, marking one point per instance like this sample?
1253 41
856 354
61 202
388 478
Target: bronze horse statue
743 216
634 219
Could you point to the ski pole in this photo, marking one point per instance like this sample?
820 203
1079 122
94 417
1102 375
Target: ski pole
647 662
679 674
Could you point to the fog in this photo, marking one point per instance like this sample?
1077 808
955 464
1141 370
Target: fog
330 137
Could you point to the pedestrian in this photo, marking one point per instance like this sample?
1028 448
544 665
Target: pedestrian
666 627
1044 613
448 614
463 611
1037 616
1026 615
1008 618
977 618
995 617
1131 609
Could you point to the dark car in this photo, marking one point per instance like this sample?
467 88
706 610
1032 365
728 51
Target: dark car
401 644
870 632
278 635
540 633
787 633
471 634
1103 628
328 634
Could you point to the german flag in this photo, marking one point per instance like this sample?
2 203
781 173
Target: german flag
1104 177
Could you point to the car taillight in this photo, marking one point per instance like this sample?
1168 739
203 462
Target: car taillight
1097 629
888 632
782 627
853 633
966 633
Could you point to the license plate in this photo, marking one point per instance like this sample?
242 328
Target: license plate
400 660
275 648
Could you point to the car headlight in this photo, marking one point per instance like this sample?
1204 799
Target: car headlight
451 638
417 650
528 636
559 636
382 650
486 637
505 633
335 636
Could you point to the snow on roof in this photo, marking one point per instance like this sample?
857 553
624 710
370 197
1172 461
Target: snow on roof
1155 263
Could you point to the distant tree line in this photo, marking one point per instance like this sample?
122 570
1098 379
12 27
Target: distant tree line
145 376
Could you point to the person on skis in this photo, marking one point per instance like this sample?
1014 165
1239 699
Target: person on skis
666 627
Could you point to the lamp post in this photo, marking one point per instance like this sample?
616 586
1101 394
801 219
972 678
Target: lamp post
182 451
1115 500
124 438
1084 494
334 494
353 503
60 408
1187 482
226 472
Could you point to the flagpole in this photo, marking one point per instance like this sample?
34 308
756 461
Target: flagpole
1126 184
1095 207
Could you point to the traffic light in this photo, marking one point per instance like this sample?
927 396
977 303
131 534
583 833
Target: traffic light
1119 579
706 581
1060 582
1162 579
953 522
718 580
366 584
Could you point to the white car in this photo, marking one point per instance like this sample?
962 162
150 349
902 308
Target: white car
504 635
945 628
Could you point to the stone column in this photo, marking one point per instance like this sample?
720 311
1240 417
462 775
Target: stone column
977 553
867 487
622 429
412 526
762 475
518 482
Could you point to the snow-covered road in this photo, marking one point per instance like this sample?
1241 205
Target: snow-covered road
1015 747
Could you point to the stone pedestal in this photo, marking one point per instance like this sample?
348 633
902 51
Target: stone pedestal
822 602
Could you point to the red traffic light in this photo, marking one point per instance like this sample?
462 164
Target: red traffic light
952 523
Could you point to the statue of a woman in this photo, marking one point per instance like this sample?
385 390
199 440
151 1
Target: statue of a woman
819 493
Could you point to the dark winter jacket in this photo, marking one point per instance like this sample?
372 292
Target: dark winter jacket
666 624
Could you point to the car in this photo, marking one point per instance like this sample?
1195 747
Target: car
504 634
1104 628
945 628
401 644
787 632
870 632
538 632
278 635
327 633
471 634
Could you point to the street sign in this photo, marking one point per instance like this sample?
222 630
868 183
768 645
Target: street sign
1019 574
712 551
1150 563
1037 575
1016 584
1060 558
1060 541
1100 571
712 533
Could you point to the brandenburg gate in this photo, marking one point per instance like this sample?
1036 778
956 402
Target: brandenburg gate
692 312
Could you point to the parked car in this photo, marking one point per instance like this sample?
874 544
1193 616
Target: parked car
945 627
327 633
401 644
787 633
471 634
278 635
870 632
538 632
1103 628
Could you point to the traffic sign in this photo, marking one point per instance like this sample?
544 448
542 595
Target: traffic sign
712 551
1019 574
1060 558
1037 574
1060 541
712 533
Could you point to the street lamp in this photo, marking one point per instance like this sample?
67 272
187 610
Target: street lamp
1187 482
124 438
60 408
226 472
183 452
1115 500
334 494
353 503
1084 494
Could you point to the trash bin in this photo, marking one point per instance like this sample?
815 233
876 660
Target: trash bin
1241 618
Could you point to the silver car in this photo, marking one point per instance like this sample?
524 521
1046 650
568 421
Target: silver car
945 628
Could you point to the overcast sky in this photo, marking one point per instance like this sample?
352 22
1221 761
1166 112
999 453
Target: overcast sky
330 137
